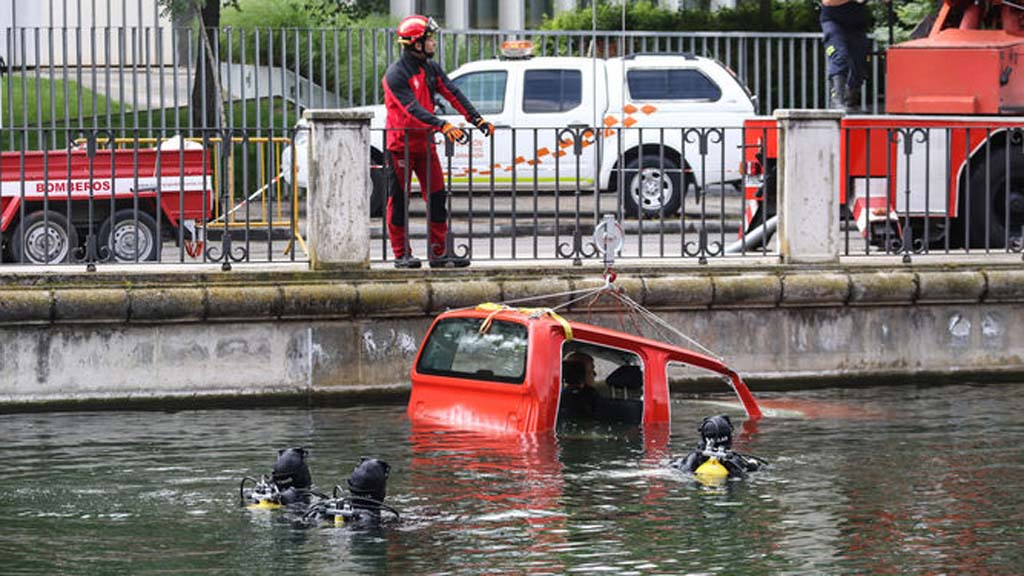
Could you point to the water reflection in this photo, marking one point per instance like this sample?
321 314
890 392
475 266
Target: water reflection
929 483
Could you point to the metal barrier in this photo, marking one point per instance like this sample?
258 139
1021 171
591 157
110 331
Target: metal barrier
912 188
538 194
101 196
130 81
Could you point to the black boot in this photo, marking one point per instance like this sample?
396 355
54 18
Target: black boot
449 262
839 94
409 261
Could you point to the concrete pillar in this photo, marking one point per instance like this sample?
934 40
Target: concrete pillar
337 201
808 185
512 15
456 14
402 8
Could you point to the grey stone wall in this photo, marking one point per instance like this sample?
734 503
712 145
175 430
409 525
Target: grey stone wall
230 336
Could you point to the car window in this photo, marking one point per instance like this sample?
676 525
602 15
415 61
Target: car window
457 348
671 84
486 90
552 90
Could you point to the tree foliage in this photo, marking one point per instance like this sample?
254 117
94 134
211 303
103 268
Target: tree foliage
748 15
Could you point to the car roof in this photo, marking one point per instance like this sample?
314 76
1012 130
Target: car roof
688 60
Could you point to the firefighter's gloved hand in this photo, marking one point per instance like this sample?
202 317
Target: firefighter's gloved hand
454 133
485 127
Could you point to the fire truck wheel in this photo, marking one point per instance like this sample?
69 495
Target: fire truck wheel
43 237
652 187
988 202
125 239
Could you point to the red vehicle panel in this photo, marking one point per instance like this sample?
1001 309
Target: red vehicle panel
500 369
72 175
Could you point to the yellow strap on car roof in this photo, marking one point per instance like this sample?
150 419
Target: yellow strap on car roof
531 312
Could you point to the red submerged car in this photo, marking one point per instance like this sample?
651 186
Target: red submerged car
505 369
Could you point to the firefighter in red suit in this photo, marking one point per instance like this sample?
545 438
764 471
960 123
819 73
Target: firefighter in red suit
409 88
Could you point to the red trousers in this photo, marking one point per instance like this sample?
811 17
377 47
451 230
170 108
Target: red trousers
427 168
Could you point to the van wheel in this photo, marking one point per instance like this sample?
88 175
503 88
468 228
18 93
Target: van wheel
652 187
127 235
43 237
990 211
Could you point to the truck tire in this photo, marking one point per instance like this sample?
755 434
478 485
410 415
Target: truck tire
123 238
43 237
652 187
988 201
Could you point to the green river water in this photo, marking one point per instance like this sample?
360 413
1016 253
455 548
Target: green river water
896 480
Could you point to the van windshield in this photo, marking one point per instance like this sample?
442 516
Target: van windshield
456 348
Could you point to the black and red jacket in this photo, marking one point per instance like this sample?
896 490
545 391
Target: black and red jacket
409 88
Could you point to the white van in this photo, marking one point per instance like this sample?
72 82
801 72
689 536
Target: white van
638 123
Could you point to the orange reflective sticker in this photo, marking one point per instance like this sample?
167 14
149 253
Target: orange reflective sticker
520 159
630 121
648 109
610 121
543 152
629 109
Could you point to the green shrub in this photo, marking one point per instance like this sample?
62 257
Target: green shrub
794 16
316 37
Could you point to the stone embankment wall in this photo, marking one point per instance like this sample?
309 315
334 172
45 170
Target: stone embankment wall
233 337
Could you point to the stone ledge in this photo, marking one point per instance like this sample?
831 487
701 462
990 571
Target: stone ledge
418 296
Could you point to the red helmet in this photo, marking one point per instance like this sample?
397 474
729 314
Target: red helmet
414 28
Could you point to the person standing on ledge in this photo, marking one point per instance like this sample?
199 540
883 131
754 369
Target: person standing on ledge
845 24
409 88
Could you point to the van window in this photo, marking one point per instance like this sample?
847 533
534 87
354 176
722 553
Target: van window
600 385
671 84
456 348
552 90
486 90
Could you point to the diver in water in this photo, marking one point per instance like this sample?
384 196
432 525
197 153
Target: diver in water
289 484
361 509
714 456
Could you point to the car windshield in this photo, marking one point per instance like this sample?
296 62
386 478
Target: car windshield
457 348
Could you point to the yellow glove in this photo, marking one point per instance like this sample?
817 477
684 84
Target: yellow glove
454 133
485 127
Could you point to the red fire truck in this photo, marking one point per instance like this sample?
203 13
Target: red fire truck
50 201
945 166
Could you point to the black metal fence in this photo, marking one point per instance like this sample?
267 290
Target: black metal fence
914 188
540 193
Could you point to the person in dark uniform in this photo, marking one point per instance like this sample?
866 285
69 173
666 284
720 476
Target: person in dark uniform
289 483
292 477
845 24
715 450
579 396
361 509
409 88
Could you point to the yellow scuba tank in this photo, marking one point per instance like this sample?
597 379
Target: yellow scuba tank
264 505
711 471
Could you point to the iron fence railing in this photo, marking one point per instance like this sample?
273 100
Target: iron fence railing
143 77
538 193
914 189
86 196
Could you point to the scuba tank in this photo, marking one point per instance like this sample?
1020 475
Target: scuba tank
367 486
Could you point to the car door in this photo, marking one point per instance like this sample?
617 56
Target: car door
474 163
554 112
